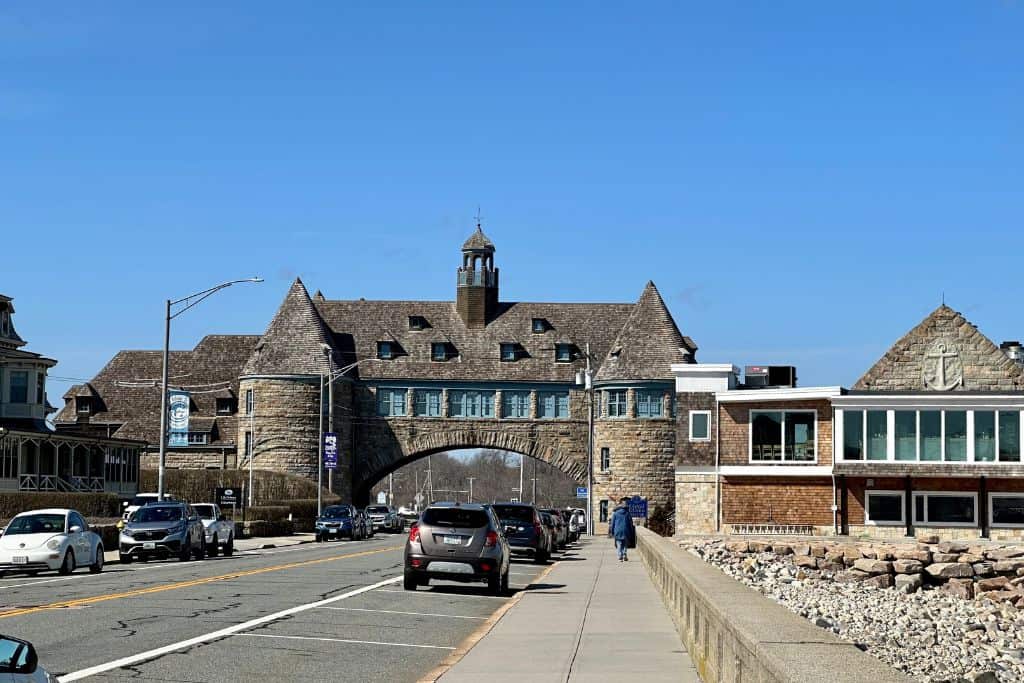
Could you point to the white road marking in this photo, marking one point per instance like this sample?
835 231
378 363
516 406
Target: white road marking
390 611
216 635
342 640
442 594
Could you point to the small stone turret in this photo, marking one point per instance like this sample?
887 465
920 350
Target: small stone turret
477 294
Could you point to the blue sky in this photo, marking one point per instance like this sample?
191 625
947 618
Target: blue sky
803 181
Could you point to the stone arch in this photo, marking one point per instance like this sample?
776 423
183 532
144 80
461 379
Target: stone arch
437 441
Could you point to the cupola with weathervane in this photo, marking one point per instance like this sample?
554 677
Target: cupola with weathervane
477 296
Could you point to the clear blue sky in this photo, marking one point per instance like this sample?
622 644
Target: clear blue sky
803 180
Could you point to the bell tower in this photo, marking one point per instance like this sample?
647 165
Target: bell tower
477 295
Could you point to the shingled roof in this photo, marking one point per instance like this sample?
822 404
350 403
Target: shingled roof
132 407
983 365
478 240
648 344
294 340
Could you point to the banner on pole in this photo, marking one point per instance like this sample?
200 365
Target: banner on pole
178 433
330 450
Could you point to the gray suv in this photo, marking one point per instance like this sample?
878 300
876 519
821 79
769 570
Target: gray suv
457 542
168 529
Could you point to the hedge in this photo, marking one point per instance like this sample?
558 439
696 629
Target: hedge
196 486
103 505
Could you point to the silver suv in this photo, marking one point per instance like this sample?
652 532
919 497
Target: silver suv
457 543
168 529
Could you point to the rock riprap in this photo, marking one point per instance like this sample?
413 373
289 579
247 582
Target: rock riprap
951 621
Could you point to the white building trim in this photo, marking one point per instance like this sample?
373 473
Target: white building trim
775 470
780 394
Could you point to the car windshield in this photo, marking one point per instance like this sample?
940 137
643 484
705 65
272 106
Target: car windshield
514 513
338 511
157 513
454 517
205 511
377 509
139 501
36 524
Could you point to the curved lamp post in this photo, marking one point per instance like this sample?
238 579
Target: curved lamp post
188 301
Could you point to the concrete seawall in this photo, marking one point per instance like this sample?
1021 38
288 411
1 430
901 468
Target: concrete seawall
734 634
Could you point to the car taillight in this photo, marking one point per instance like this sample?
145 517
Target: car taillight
491 540
414 534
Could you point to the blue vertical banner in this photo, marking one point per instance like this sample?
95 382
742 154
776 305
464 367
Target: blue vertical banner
330 450
178 433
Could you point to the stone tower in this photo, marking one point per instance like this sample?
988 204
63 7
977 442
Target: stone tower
477 295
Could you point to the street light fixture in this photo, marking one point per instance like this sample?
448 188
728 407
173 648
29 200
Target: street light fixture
189 301
585 377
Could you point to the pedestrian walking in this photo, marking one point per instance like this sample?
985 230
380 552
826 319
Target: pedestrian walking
622 530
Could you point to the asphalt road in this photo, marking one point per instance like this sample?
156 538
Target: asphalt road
319 612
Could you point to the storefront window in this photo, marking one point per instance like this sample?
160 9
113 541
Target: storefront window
931 435
956 435
906 435
877 435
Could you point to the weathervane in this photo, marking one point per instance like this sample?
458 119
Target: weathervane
478 217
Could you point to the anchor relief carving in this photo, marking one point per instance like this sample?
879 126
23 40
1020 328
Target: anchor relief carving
942 369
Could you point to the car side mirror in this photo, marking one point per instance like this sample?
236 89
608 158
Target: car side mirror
75 529
23 660
124 503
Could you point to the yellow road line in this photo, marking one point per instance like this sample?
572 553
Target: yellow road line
187 584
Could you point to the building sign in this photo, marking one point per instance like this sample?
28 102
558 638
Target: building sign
178 432
331 450
637 507
942 369
226 497
581 491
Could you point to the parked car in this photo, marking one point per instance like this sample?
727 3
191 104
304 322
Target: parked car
550 532
139 500
385 518
220 532
562 530
339 521
55 539
162 530
366 522
522 527
18 659
457 543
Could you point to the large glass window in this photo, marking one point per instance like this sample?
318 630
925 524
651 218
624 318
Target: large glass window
883 507
906 434
19 386
853 434
956 435
945 509
471 404
799 441
1007 509
391 402
649 403
1009 436
878 429
931 435
984 435
615 399
427 402
766 435
515 404
553 405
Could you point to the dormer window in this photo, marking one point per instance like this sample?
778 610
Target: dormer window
225 406
440 351
83 405
540 325
385 350
5 322
418 322
509 352
563 353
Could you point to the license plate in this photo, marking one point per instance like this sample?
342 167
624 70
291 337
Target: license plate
451 567
149 546
453 540
333 531
19 559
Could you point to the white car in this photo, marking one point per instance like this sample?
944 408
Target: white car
19 660
220 533
55 539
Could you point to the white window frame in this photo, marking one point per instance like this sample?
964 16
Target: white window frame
389 354
750 436
945 494
608 403
1003 494
700 439
903 508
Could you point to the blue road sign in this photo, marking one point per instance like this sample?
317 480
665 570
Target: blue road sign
330 450
581 491
637 507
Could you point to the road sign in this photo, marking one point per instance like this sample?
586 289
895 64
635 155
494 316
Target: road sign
228 496
581 491
637 507
513 500
330 450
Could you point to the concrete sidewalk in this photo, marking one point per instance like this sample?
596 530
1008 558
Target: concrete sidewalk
592 618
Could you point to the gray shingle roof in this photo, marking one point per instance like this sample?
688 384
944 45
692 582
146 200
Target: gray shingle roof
479 241
294 340
648 344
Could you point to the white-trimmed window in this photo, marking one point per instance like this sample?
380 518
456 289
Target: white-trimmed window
391 402
946 508
783 435
885 508
615 400
1006 510
700 425
198 438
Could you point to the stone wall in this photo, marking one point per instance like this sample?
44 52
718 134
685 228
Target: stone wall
198 458
286 422
696 495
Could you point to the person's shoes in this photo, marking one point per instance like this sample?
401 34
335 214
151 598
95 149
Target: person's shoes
625 559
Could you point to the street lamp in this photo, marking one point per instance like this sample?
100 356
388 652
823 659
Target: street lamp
189 301
585 377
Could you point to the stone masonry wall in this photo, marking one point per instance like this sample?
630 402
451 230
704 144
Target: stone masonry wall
286 422
695 503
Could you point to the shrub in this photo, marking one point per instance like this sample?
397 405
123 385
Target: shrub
197 486
89 504
268 513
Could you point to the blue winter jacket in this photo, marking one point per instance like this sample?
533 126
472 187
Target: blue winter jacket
621 526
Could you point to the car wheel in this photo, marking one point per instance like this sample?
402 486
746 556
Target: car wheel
409 581
97 566
541 557
504 583
186 552
425 581
229 548
200 553
212 548
68 565
494 585
124 559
